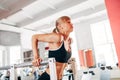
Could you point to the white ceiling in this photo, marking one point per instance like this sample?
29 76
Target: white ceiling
41 14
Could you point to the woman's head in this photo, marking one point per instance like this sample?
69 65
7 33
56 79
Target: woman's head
62 19
64 25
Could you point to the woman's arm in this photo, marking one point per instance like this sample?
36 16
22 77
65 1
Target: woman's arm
37 60
35 46
52 37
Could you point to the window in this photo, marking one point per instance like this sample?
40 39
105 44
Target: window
103 43
15 56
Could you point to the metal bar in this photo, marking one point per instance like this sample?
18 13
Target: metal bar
13 73
5 67
52 67
29 64
22 65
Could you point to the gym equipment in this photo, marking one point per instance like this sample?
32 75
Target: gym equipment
13 73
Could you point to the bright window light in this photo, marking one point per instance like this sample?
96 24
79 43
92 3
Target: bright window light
103 43
15 55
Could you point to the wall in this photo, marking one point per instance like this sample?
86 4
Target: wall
83 32
84 36
26 36
8 38
5 55
113 9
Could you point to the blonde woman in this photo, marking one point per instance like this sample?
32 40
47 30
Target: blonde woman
59 46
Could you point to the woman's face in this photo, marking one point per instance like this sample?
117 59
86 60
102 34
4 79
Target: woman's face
67 26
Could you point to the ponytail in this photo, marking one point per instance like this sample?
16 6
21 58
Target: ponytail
55 30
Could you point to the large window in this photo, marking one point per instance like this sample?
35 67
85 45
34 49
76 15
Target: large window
15 54
103 43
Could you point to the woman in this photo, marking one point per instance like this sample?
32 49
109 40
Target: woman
59 46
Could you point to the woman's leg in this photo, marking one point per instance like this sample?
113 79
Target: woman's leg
69 77
44 76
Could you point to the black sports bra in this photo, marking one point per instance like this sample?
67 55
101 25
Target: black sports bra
60 55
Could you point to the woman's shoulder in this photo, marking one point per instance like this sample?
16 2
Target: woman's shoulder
47 37
59 35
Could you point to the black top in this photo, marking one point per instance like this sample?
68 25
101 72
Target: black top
60 55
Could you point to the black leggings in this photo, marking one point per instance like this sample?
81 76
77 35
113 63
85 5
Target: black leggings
44 76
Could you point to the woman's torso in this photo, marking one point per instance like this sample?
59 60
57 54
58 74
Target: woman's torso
60 52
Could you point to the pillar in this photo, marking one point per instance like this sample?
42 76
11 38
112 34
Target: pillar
113 11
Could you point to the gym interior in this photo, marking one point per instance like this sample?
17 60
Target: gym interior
95 46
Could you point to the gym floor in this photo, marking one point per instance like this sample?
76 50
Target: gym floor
116 79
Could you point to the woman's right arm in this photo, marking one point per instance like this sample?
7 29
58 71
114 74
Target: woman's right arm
37 60
51 37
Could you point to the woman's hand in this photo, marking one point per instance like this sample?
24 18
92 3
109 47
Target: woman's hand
36 62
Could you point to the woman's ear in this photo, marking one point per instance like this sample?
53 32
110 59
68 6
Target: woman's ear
59 27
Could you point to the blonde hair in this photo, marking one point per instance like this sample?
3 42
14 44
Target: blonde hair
63 19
